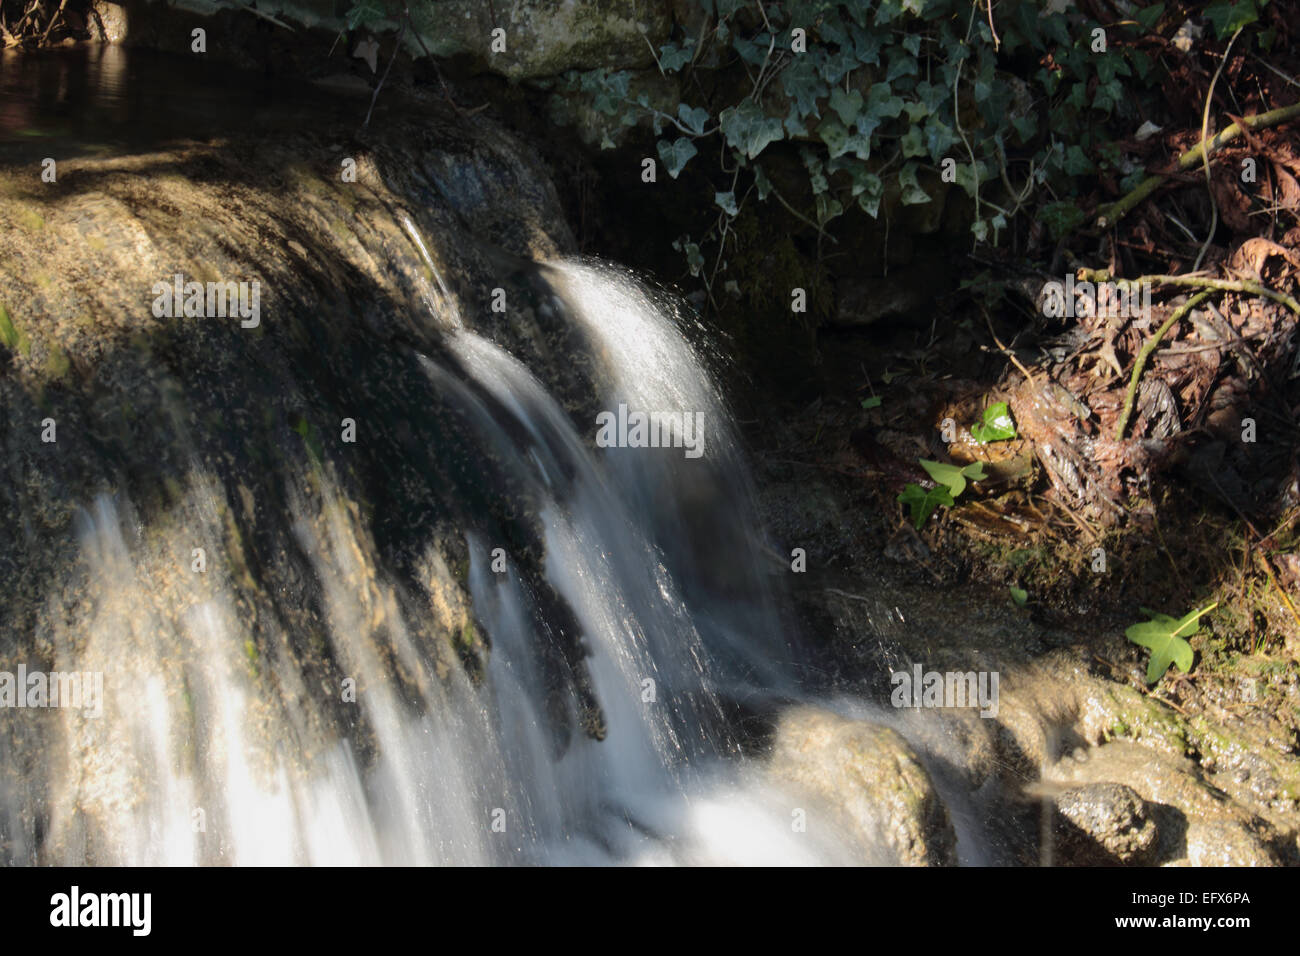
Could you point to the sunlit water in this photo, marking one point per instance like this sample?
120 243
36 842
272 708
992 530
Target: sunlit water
214 747
657 556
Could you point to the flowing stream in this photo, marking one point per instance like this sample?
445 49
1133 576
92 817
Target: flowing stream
628 673
658 556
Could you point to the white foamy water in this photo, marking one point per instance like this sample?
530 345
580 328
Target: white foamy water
217 745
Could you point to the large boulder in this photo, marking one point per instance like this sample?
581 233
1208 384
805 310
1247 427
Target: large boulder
872 778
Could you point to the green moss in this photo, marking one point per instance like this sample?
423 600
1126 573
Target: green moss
1140 718
11 336
29 219
57 363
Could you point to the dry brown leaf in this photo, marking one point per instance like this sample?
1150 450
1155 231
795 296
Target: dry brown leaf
1254 252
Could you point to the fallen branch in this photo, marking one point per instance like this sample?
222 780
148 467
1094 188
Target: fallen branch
1140 362
1196 282
1112 213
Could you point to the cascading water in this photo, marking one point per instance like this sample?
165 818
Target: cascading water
654 554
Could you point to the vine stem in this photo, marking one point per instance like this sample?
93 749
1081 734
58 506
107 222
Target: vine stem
1140 362
397 48
1205 158
1112 213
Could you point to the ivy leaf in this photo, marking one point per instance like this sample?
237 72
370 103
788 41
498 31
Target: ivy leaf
922 502
1166 638
1226 16
1077 162
1060 217
694 258
802 84
998 425
952 477
837 139
902 63
672 57
911 142
967 177
748 129
727 203
872 402
882 103
364 12
762 183
913 194
869 188
828 208
834 65
846 105
939 137
1019 596
368 50
676 155
693 118
1149 16
866 45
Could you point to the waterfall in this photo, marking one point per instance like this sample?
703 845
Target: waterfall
675 617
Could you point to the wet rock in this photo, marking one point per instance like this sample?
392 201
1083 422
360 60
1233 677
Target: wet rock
546 37
872 777
1225 844
1105 823
107 21
1198 824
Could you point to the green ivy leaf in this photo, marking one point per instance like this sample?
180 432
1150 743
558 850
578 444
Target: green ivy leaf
912 143
672 57
939 138
1149 16
1226 17
1077 162
1166 638
802 84
748 129
694 258
676 155
727 203
913 194
998 425
839 141
922 502
882 103
828 208
872 402
364 12
901 63
694 119
846 105
1019 596
1060 217
952 477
